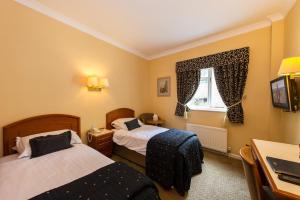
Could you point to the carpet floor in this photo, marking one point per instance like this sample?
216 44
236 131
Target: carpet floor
222 178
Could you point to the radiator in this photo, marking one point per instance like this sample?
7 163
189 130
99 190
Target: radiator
210 137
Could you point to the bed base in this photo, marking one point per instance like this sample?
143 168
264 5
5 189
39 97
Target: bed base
130 155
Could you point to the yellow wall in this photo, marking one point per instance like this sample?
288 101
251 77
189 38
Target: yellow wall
256 106
290 122
277 53
42 63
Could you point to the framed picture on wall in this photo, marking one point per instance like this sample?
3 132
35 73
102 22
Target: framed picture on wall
164 86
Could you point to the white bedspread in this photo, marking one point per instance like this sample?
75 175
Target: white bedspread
25 178
138 138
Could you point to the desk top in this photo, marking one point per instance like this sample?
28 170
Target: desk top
282 151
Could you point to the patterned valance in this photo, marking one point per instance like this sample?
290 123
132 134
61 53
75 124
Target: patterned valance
220 59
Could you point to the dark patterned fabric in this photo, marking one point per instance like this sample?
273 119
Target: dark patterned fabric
188 163
173 157
43 145
132 124
231 80
116 181
216 60
187 85
230 68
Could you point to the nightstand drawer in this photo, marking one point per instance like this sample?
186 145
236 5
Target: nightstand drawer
104 139
102 144
106 152
105 148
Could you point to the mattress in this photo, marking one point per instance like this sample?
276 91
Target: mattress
138 138
25 178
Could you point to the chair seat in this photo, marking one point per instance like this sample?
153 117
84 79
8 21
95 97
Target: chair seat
146 116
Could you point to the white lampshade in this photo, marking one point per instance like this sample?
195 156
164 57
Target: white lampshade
290 66
93 82
104 83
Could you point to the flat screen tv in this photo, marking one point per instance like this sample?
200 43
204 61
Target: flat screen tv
284 93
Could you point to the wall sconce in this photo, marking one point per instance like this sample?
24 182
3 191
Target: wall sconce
290 66
94 83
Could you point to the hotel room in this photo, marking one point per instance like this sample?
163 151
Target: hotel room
149 100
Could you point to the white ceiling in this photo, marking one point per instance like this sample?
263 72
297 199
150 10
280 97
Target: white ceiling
150 28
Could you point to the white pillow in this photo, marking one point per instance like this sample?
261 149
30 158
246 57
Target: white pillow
120 123
19 145
14 148
23 146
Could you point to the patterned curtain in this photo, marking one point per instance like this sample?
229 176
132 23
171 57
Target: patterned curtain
231 68
231 80
187 84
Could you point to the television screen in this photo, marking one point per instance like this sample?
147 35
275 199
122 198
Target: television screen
279 88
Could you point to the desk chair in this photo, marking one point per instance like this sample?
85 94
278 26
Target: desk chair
256 189
146 116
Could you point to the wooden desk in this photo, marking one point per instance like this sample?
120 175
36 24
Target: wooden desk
261 149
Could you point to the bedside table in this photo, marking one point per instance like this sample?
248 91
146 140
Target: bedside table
102 142
155 123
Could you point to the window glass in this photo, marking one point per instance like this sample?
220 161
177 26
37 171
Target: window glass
207 95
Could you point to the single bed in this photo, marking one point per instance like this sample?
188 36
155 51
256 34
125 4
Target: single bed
62 171
131 145
163 152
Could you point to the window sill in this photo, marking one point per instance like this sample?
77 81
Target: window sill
208 109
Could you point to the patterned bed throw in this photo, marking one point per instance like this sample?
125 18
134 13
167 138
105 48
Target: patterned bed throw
173 157
116 181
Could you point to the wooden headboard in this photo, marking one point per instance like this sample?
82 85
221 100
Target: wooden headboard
38 124
116 114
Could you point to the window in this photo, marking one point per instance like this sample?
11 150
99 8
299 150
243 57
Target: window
207 96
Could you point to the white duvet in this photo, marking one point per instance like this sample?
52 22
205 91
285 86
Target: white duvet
25 178
138 138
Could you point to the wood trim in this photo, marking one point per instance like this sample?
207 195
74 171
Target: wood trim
37 124
248 157
168 78
245 155
117 114
279 193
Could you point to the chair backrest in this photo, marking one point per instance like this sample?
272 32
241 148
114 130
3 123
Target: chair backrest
146 116
252 174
